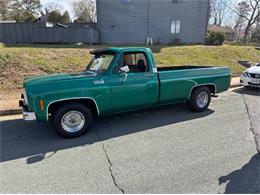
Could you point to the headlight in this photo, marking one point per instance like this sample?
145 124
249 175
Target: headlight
245 74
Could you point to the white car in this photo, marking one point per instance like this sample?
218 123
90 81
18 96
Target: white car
251 77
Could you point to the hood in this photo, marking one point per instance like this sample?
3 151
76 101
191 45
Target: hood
254 70
56 77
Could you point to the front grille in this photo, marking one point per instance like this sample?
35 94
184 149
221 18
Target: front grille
255 76
253 84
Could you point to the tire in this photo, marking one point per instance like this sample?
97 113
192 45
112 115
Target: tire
72 120
199 106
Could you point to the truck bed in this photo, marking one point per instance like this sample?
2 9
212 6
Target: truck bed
177 82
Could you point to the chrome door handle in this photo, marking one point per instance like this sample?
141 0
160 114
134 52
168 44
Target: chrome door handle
123 77
149 75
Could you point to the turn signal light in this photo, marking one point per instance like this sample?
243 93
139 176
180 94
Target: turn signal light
41 104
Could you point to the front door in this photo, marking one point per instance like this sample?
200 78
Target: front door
138 88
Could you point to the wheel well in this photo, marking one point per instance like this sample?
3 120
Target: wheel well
86 102
211 87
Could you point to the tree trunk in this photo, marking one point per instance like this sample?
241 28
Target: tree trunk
246 34
215 20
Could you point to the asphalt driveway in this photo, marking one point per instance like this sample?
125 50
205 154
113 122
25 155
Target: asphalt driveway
162 150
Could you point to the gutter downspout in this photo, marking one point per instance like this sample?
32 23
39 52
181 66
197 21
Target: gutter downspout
148 38
148 19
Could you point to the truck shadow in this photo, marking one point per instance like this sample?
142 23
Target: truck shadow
38 141
245 180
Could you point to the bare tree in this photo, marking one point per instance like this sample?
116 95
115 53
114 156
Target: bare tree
252 17
84 10
248 12
219 11
31 6
241 9
25 10
4 9
55 6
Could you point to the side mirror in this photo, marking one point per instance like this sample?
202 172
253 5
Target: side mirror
124 69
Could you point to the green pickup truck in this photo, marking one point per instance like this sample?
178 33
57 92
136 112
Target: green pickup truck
117 80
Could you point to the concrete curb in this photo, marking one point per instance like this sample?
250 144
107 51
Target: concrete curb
10 112
19 111
234 86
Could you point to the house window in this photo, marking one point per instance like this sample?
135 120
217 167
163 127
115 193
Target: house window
175 26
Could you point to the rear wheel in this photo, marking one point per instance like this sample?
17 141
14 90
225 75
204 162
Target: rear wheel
200 99
72 120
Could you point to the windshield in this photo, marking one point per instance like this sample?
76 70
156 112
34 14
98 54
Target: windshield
100 63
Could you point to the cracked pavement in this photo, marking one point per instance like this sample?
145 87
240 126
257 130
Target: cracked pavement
161 150
111 172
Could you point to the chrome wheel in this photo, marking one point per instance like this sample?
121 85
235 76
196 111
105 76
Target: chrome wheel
202 99
72 121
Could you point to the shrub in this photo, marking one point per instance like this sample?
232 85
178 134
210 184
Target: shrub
215 38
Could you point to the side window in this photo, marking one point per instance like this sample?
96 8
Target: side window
136 62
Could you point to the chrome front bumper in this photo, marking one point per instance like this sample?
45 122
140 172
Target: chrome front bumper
28 116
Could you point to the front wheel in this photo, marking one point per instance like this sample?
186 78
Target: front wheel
200 99
72 120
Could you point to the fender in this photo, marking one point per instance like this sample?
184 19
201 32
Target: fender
75 98
204 84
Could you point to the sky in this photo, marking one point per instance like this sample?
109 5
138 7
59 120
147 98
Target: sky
65 4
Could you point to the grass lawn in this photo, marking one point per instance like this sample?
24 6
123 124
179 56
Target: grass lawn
18 62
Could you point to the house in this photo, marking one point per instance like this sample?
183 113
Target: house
230 34
121 22
152 21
